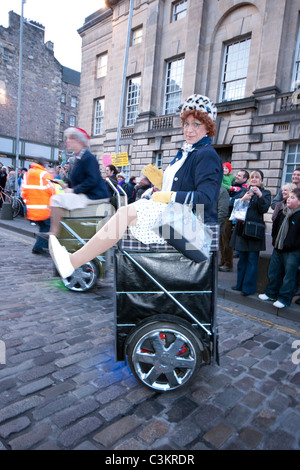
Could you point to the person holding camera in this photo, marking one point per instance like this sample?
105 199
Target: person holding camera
248 237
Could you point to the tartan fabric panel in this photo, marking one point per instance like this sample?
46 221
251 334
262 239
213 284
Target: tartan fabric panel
131 244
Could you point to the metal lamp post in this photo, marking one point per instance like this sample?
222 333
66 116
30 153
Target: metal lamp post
19 90
124 74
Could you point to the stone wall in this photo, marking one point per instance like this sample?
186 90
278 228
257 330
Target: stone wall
41 83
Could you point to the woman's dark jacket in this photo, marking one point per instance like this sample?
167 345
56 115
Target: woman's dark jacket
255 213
85 177
292 239
131 192
202 174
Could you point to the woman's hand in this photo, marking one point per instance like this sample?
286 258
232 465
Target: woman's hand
61 184
154 175
162 196
247 196
69 190
257 191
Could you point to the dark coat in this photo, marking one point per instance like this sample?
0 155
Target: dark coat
3 178
255 213
292 239
222 207
202 174
131 192
85 177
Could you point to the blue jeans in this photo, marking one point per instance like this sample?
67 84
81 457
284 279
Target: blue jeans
42 243
282 273
247 271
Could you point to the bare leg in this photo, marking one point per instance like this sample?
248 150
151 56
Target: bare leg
107 236
56 216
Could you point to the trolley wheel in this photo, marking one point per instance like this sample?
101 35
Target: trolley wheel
162 355
83 278
16 207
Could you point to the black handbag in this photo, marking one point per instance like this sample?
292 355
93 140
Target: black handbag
254 230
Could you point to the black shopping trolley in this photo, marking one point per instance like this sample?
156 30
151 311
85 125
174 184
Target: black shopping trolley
165 312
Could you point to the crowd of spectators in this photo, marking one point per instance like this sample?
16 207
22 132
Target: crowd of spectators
235 241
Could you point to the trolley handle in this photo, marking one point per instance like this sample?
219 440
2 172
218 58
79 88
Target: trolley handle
117 193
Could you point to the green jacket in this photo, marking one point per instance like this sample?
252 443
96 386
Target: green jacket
227 181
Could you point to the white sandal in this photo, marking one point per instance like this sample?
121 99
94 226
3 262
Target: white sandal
60 257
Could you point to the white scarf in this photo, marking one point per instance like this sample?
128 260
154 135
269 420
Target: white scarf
171 170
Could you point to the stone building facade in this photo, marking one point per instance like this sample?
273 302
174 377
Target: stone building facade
69 103
44 83
244 55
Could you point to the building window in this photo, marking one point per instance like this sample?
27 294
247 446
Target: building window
126 171
98 116
73 101
101 65
63 98
235 69
296 74
133 99
72 121
137 36
173 90
179 10
62 117
292 161
61 136
159 159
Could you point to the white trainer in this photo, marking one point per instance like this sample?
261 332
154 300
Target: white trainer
278 304
60 257
264 297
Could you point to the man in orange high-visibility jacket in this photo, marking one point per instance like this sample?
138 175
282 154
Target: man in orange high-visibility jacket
37 189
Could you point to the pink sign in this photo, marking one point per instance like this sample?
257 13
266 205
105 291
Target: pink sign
106 160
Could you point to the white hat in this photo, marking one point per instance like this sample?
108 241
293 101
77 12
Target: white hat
79 134
200 103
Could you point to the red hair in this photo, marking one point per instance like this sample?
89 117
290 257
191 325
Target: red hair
203 118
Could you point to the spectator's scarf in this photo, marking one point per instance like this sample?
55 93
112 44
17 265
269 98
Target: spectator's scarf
282 232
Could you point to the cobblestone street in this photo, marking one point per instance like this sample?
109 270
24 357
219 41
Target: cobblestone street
62 389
